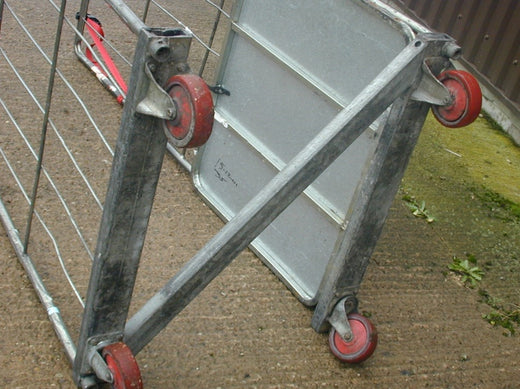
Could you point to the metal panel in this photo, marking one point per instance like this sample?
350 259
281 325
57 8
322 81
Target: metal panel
489 32
291 67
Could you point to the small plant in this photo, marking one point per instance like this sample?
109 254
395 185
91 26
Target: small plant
418 210
467 270
508 318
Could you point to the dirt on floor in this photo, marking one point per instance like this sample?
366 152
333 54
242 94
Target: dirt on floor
247 330
442 288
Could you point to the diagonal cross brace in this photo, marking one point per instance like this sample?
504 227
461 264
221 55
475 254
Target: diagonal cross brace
401 76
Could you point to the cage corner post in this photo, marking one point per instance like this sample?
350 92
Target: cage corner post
136 167
370 209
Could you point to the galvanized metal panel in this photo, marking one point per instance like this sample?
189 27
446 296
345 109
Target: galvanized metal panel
291 67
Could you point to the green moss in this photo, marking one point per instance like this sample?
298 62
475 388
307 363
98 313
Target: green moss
497 203
470 180
479 153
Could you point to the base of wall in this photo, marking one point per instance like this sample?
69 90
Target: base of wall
501 109
496 105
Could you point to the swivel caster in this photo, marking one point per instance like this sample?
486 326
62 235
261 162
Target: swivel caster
466 103
353 337
360 345
123 366
194 119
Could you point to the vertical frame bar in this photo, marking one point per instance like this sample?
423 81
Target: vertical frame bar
369 211
135 172
43 136
1 13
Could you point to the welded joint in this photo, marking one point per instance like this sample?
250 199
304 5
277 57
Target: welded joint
167 52
431 90
157 102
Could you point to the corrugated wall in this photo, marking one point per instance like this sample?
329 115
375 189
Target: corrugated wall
487 30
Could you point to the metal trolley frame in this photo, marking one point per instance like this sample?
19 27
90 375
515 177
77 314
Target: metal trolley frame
398 97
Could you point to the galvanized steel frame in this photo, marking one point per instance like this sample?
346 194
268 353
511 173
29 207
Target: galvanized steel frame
137 163
135 172
395 83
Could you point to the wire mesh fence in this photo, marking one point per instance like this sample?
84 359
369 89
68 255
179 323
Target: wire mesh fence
59 130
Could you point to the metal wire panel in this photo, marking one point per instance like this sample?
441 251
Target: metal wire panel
58 135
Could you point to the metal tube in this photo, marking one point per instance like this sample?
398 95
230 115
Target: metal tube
211 38
1 13
180 157
369 210
45 123
46 299
399 76
81 15
146 8
134 23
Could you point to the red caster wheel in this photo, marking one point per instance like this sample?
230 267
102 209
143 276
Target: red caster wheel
467 99
123 366
360 346
194 121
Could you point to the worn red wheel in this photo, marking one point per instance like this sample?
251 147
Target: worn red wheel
123 366
194 119
362 343
467 99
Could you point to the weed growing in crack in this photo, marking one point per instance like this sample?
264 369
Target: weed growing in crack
508 318
470 274
418 210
